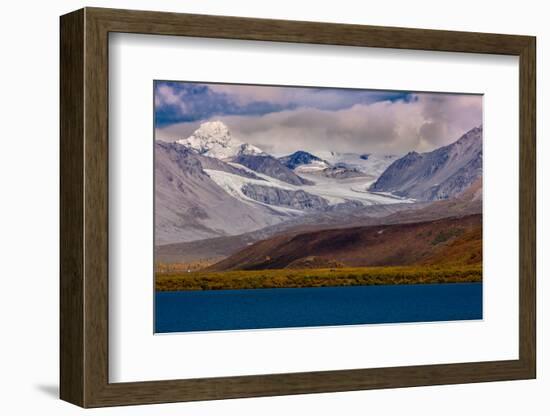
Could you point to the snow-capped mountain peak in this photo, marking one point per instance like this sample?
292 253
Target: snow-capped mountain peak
214 139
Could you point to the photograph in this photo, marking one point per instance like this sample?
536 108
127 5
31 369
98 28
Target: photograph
293 206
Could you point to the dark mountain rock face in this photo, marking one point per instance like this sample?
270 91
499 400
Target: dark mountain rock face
342 172
297 159
270 166
216 164
285 197
440 174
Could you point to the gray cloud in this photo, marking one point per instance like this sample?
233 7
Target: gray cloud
387 127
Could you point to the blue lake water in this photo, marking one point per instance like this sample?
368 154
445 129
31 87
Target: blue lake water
212 310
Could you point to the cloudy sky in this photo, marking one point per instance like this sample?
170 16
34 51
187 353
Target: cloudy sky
281 120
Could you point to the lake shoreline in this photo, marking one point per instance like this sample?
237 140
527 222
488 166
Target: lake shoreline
310 278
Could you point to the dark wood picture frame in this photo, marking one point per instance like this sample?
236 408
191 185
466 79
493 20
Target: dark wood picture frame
84 207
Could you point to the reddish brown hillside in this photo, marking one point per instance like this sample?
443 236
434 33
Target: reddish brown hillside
466 249
449 240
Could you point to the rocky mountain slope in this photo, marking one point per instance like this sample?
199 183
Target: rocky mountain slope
189 205
440 174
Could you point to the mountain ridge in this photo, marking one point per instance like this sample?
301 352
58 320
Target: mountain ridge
189 205
377 245
210 186
439 174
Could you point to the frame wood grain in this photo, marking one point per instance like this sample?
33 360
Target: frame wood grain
84 207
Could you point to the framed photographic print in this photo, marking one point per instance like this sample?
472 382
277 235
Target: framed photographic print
257 207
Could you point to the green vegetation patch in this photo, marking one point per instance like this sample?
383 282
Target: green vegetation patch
279 278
